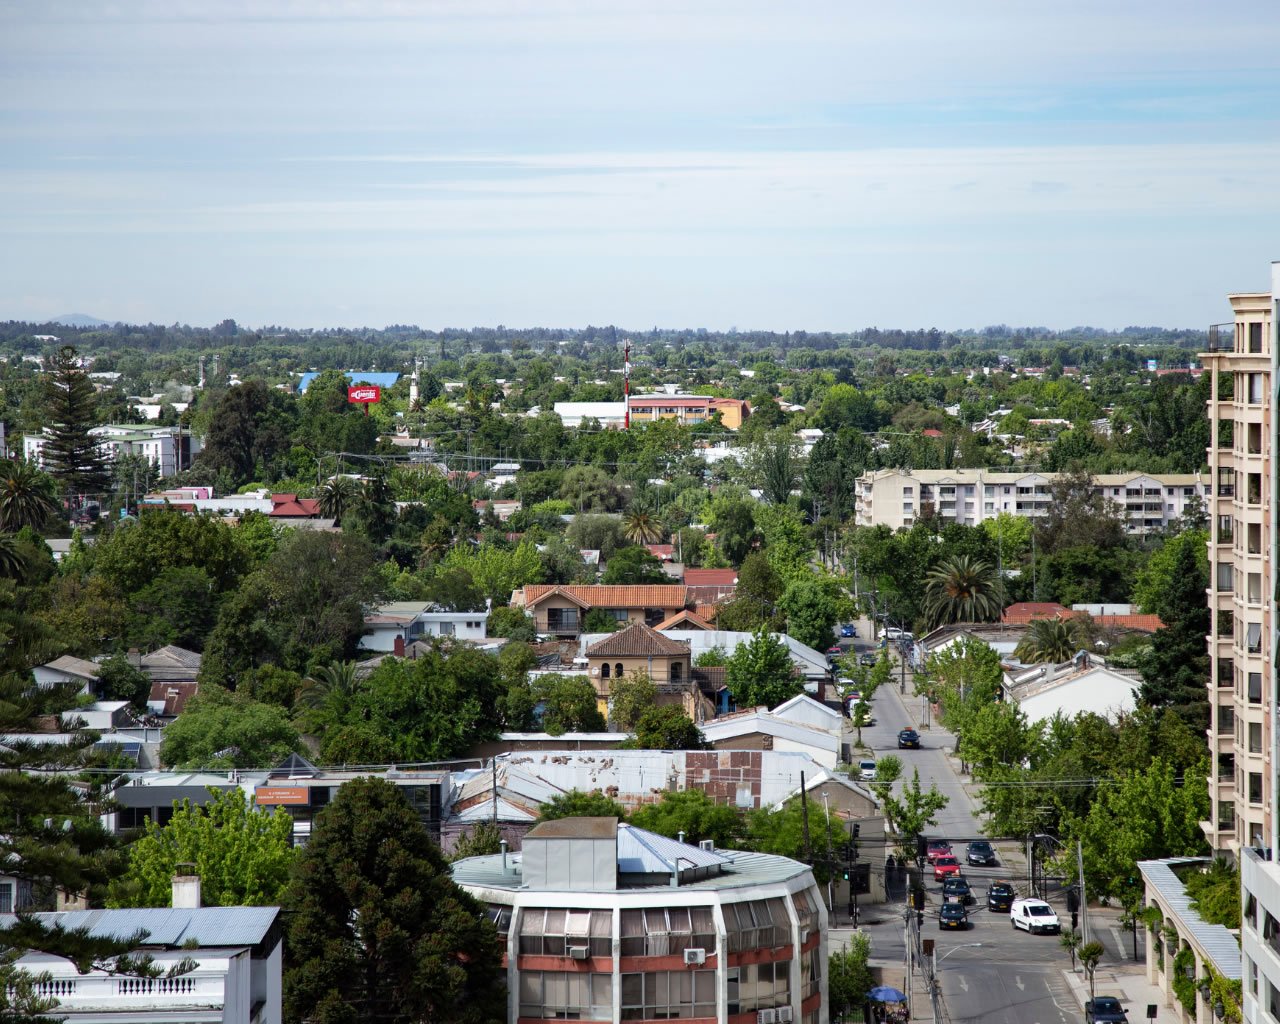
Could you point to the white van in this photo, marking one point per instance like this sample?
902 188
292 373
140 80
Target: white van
1035 916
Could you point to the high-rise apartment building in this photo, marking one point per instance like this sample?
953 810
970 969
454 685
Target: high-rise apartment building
1241 444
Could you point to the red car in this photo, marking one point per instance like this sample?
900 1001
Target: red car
944 866
937 848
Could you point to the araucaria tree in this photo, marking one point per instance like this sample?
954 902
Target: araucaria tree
380 933
71 453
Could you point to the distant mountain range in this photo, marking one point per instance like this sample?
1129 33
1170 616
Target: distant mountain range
79 320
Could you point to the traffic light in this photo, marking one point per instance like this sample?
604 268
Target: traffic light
857 830
1073 899
922 847
1075 920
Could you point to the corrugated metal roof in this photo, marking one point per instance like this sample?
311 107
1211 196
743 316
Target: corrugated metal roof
207 926
576 827
647 853
1216 940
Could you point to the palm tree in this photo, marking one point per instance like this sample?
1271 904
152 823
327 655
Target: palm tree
642 528
962 589
338 679
338 497
11 561
27 497
1052 640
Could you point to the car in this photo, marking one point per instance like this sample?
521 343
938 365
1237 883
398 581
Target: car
944 866
1105 1010
891 633
848 630
834 651
936 848
956 888
1000 896
953 915
908 739
980 853
867 658
1034 916
867 770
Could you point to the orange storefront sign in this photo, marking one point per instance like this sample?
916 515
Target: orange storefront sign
265 795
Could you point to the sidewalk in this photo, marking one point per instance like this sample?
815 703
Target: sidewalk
1129 986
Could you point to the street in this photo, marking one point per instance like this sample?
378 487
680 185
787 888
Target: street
1012 977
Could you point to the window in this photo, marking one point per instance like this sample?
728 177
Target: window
617 670
1255 538
1255 787
1254 496
759 986
1255 439
549 932
1253 637
1255 687
1256 391
1226 671
669 931
1224 577
810 973
677 671
667 994
559 996
1255 737
1255 338
1226 719
6 898
759 924
1255 587
501 917
604 671
807 913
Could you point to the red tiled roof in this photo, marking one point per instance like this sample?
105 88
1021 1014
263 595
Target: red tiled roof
711 577
665 552
1030 611
932 432
601 595
1139 623
292 505
637 641
684 620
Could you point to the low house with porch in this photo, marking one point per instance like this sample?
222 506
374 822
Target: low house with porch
559 610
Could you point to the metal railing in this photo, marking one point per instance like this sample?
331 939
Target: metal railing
1222 337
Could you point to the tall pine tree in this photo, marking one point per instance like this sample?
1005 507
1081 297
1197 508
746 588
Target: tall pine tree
1176 672
72 454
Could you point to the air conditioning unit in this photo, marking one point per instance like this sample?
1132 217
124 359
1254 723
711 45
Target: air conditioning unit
579 952
695 956
766 1017
707 844
785 1015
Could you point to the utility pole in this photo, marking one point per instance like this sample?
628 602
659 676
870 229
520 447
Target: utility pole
1084 901
804 815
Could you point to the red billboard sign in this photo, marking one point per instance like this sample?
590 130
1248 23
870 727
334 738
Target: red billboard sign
269 795
363 394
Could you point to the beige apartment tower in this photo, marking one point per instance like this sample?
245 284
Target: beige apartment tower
1240 505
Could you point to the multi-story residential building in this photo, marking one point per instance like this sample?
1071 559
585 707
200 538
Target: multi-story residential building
896 498
688 409
605 922
1241 429
169 449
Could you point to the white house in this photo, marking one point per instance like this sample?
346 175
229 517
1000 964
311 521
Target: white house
68 670
1083 684
788 727
407 621
169 449
235 980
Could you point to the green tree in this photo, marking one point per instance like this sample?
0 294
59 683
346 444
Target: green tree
755 599
811 605
591 489
498 571
513 624
694 813
600 620
760 672
220 729
1175 669
577 804
569 704
136 552
782 832
629 698
1049 640
733 522
632 565
339 497
380 933
997 734
120 680
242 854
668 728
849 976
1010 535
73 454
641 527
1078 516
483 840
773 464
911 811
247 434
28 497
962 589
178 607
596 533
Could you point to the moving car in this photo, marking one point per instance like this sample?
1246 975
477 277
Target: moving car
867 770
1035 916
944 866
848 629
834 651
867 658
956 888
953 915
1105 1010
1000 896
981 853
891 633
908 739
936 848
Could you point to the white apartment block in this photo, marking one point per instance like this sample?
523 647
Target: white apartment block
896 498
1242 685
169 449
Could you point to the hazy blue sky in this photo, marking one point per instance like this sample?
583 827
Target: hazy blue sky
817 165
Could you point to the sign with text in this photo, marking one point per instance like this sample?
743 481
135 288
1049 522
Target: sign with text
363 394
270 795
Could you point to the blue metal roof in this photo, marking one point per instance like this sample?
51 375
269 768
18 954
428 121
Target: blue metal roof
207 926
644 852
383 380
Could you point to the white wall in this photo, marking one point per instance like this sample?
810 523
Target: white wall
1099 692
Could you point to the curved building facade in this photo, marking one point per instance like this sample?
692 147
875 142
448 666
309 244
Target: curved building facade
605 922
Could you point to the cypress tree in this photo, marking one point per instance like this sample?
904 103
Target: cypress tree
72 454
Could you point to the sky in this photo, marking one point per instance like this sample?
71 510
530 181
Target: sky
760 165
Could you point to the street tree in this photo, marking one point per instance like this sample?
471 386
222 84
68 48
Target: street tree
380 933
242 854
693 813
760 672
910 811
73 455
849 976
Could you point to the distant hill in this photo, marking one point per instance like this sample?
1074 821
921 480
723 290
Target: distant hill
79 320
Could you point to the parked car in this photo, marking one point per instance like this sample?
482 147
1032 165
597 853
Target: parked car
1105 1010
953 915
944 866
980 853
956 888
1035 916
867 770
834 651
908 739
867 658
936 848
892 633
1000 896
848 629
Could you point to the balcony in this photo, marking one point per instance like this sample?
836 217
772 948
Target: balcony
1222 337
1226 490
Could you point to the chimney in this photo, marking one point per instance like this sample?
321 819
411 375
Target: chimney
186 888
135 657
398 648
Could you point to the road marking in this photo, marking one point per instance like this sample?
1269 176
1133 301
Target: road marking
964 985
1017 980
1119 941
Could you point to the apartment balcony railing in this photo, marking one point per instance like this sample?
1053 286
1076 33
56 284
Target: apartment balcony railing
1222 337
1226 490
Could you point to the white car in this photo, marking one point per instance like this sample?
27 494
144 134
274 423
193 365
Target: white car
1035 916
867 769
891 633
